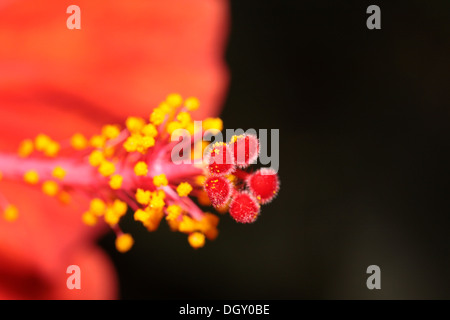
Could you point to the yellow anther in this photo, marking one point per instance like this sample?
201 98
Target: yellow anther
184 189
108 152
173 212
149 130
97 141
142 196
11 213
31 177
141 168
41 142
173 125
26 148
174 99
157 117
142 215
160 180
155 216
78 141
212 124
124 242
156 202
187 225
184 118
106 168
64 197
89 218
135 124
50 188
59 173
196 240
143 143
52 149
160 194
165 107
110 131
111 217
116 181
192 103
97 206
132 143
119 207
96 158
148 142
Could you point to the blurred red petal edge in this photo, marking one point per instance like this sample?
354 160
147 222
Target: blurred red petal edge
98 279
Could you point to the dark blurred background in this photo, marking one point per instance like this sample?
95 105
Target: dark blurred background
364 137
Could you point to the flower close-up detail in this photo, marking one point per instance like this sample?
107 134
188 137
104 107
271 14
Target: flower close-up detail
86 137
58 87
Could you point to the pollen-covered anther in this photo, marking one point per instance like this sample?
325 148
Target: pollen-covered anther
156 201
78 141
110 131
149 130
143 196
31 177
59 173
52 149
184 118
119 207
219 190
97 207
220 159
115 182
264 185
124 242
45 144
134 124
89 218
184 189
174 125
160 180
173 212
244 208
97 141
149 217
26 148
10 213
192 103
106 168
41 142
96 158
174 100
196 240
157 116
245 149
50 188
214 124
114 212
141 168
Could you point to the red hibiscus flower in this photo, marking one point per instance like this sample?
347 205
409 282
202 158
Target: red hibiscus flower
126 57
